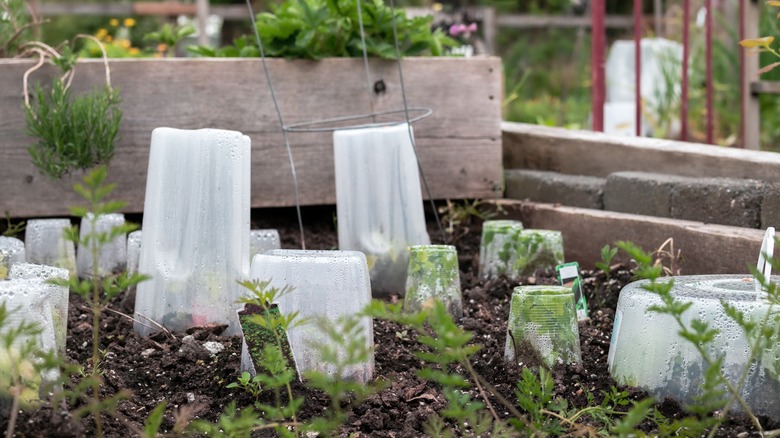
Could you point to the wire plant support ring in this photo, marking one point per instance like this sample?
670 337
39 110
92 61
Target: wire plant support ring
344 122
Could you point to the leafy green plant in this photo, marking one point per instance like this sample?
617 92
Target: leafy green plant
12 229
71 132
169 36
315 29
455 214
16 23
97 291
607 254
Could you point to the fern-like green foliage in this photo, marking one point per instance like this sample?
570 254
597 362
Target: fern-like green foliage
72 132
314 29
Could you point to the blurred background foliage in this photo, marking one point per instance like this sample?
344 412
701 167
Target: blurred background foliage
547 70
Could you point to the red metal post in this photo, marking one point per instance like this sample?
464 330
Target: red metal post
638 65
686 55
710 87
742 106
598 11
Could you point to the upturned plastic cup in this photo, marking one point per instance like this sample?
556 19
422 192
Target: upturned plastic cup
195 229
325 284
11 253
542 326
538 250
497 248
433 275
45 244
647 351
58 296
261 241
112 256
378 201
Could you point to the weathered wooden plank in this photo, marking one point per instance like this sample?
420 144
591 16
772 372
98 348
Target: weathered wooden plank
459 145
596 154
706 248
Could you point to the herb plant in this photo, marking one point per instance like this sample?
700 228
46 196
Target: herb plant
70 132
315 29
607 254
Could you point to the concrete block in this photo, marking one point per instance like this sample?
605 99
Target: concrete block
648 194
553 187
770 206
722 201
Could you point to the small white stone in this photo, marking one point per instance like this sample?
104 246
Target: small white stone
148 352
187 339
190 397
213 347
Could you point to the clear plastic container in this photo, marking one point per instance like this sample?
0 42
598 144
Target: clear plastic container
646 351
326 284
497 248
433 275
542 326
11 253
28 301
112 257
195 229
378 201
261 241
45 244
133 251
58 296
538 250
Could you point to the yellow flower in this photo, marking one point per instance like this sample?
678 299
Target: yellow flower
129 22
162 47
124 43
109 38
101 33
114 22
133 51
757 42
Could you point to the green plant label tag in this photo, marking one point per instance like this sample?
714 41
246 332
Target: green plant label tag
257 336
569 275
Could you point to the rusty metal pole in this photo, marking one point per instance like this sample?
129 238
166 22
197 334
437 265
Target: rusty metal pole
710 85
638 65
686 55
597 60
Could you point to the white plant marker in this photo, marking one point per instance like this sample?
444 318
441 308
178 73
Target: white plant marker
195 229
379 201
767 252
112 256
326 284
133 251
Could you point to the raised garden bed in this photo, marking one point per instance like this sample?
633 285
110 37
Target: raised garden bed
194 381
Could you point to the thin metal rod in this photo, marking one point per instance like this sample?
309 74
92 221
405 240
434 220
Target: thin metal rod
638 66
710 85
369 88
408 122
686 55
281 122
742 100
597 47
310 126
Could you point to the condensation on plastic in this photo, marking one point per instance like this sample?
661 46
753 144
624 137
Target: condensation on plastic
542 325
133 251
45 244
646 351
538 250
29 302
58 295
112 256
261 241
497 248
195 229
433 275
11 253
326 284
378 201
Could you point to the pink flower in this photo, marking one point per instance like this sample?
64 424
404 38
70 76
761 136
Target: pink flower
472 27
454 30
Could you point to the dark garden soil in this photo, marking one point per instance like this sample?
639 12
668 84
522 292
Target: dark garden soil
181 370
